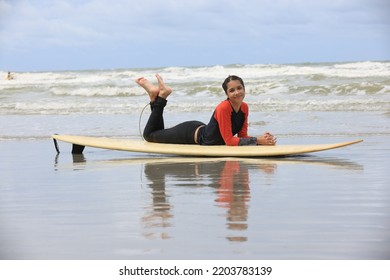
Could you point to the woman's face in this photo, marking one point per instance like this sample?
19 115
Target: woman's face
235 91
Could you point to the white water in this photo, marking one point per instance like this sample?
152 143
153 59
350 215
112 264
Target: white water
334 96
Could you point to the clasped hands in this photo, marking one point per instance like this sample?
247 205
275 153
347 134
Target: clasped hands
266 139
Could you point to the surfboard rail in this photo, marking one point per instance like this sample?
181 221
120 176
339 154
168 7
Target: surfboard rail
79 142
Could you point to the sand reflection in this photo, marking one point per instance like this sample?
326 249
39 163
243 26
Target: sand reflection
230 179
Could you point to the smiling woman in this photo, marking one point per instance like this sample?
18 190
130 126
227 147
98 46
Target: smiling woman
229 119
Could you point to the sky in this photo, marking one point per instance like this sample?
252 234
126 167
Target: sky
54 35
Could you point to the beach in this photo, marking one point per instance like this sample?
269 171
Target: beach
114 205
330 205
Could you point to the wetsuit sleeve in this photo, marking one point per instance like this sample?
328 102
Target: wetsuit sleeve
246 140
223 116
250 141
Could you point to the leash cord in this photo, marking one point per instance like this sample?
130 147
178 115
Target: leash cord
139 121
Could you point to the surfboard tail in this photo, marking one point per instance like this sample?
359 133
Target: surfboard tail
76 149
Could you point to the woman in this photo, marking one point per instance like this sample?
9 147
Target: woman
230 118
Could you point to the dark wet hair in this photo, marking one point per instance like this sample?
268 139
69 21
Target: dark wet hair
229 79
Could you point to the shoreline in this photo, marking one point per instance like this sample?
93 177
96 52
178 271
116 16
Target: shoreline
286 125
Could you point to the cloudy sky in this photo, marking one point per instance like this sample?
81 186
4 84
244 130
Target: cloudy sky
40 35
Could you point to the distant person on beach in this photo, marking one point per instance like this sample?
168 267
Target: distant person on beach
9 76
229 119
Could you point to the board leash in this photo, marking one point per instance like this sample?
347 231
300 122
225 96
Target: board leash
139 121
56 144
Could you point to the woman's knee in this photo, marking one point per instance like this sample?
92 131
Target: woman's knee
148 137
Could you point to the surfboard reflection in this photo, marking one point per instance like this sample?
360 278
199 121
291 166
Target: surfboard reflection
230 179
195 184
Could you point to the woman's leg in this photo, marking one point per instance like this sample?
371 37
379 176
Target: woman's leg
182 133
158 96
156 120
154 130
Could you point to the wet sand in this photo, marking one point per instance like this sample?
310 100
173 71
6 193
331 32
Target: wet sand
116 205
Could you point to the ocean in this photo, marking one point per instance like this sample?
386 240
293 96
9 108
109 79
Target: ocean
115 205
287 99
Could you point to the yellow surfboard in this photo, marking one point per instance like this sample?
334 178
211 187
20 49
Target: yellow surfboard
79 142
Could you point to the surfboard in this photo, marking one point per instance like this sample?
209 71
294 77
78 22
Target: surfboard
79 142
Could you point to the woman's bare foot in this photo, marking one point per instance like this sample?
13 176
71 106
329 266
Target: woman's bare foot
151 89
165 91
